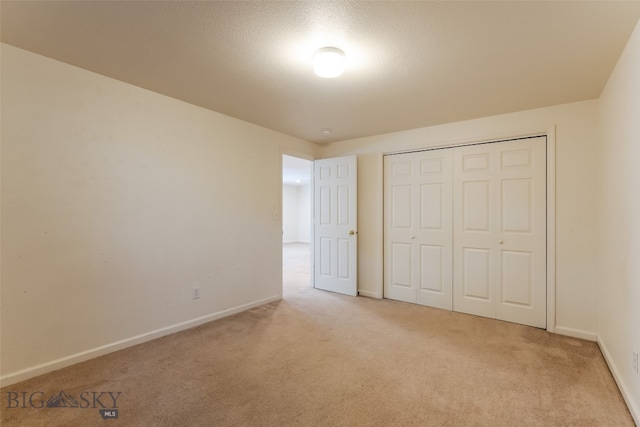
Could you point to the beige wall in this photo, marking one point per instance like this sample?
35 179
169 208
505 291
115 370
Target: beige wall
576 194
290 213
619 297
115 201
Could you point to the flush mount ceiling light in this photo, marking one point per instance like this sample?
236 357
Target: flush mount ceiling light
328 62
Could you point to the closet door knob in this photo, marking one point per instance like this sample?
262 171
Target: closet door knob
413 237
500 242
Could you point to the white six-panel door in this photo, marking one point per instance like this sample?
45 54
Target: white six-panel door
465 229
417 228
335 225
500 231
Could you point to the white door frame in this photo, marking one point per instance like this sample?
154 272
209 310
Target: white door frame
550 134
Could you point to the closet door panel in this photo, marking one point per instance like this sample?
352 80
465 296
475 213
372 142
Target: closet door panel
499 239
522 228
417 230
399 226
474 230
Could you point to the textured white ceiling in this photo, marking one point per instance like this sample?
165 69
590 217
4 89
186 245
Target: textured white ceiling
410 64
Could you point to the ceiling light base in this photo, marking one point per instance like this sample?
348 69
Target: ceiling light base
328 62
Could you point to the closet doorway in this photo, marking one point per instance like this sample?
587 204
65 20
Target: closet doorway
465 229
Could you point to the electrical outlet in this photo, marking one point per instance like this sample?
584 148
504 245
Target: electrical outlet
634 361
195 291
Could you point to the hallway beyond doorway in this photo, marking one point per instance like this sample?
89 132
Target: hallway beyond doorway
296 267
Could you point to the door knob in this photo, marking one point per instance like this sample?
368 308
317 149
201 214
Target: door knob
351 232
500 241
413 237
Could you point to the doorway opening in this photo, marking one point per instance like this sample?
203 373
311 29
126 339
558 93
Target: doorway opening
296 224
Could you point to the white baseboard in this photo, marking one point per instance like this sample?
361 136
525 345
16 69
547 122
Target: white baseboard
576 333
34 371
628 398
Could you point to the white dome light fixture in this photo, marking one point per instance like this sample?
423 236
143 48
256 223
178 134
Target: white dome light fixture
328 62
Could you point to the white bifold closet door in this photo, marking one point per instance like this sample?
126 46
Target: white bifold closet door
465 229
418 228
499 242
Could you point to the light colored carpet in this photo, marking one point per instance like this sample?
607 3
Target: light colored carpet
321 359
